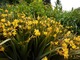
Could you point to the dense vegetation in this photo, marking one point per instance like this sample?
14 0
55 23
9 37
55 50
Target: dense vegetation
32 30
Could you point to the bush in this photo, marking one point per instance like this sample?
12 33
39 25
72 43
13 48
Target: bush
70 18
36 39
34 36
33 9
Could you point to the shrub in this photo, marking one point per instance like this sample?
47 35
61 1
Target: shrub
34 36
36 39
33 9
70 18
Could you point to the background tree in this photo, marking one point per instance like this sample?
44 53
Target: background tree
46 1
58 5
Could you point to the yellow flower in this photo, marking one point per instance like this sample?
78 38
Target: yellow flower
9 33
38 18
48 18
57 29
4 30
37 32
35 22
23 17
21 21
52 43
77 38
16 20
45 33
71 42
28 27
20 26
29 22
44 58
60 51
54 35
3 26
29 18
67 40
3 20
1 48
14 32
74 46
4 33
64 45
15 23
48 24
4 15
68 33
49 28
77 47
64 52
9 29
6 11
8 23
56 43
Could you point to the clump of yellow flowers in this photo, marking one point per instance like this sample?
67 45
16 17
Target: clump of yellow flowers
52 30
44 58
37 33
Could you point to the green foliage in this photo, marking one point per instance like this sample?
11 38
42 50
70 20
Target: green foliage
33 9
38 8
33 34
71 18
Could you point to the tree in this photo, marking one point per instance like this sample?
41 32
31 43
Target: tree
46 1
58 5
